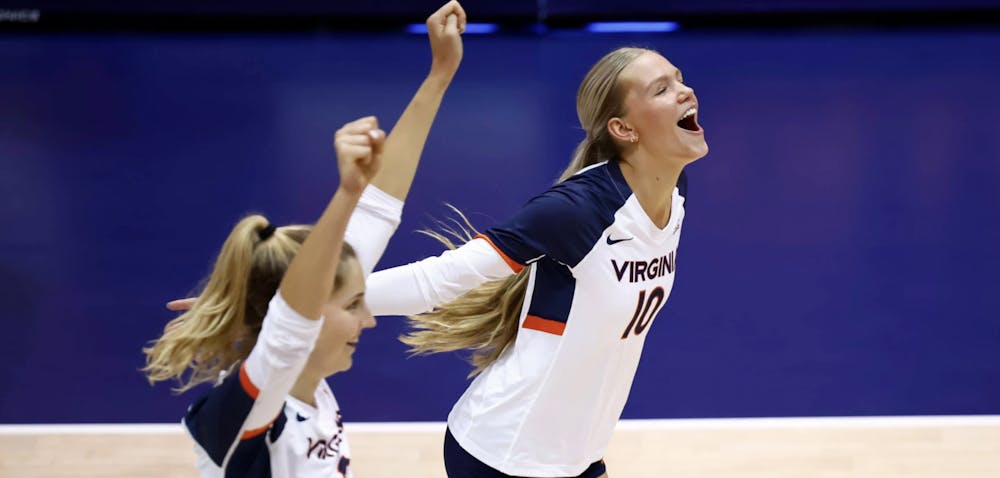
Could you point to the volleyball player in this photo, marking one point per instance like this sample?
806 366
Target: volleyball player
557 301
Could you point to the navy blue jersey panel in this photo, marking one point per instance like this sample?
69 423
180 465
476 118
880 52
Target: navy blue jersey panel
564 222
216 419
552 295
251 459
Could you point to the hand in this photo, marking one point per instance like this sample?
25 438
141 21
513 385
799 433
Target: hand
181 304
444 28
359 148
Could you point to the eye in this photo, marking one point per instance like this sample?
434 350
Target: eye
663 89
354 305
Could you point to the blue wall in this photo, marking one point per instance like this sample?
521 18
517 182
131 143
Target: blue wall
840 252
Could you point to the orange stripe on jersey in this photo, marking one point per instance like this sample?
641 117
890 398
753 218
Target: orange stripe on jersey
514 265
248 386
256 431
544 325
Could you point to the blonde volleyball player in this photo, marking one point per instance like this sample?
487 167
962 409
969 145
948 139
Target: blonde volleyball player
556 302
284 307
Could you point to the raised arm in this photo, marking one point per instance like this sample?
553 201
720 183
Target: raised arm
290 329
238 410
307 284
378 213
405 143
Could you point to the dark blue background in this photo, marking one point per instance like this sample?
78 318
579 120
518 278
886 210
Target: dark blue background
840 250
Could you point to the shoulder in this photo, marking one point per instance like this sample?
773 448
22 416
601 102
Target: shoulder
592 195
566 220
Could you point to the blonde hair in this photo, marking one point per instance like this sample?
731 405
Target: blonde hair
485 319
222 326
600 98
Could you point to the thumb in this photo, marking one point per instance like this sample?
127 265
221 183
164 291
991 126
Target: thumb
452 24
377 138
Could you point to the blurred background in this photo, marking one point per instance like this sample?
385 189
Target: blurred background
841 251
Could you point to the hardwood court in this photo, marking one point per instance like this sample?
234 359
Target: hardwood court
823 448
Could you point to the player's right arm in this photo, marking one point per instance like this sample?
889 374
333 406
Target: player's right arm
405 143
378 215
548 225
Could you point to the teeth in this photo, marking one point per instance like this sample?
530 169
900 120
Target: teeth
689 113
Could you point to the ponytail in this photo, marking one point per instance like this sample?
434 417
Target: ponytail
222 326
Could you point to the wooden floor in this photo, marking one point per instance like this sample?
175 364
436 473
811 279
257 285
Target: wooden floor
814 448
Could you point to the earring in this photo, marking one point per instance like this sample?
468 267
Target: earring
634 139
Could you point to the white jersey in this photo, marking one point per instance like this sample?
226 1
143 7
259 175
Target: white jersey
600 272
248 426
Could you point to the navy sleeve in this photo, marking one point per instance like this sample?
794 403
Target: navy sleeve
562 223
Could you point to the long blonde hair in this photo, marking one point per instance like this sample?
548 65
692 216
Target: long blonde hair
485 319
222 326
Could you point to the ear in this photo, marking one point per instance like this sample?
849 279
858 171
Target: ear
620 130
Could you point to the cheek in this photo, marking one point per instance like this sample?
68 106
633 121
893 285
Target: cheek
327 333
343 328
655 116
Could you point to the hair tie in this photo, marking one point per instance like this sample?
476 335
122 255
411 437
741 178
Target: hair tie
266 232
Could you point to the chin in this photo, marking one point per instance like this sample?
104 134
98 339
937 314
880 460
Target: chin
699 153
342 367
703 153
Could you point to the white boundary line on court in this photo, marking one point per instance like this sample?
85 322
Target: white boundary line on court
654 424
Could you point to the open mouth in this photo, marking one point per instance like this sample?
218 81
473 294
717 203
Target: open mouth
689 121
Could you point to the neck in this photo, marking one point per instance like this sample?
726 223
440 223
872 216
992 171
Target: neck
652 182
304 389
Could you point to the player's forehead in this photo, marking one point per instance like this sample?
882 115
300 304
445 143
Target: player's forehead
648 68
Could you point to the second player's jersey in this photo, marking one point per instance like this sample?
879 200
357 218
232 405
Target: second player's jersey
600 272
303 441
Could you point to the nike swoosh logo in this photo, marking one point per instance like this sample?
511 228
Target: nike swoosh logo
612 242
300 418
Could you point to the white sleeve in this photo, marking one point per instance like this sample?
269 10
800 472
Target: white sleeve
283 346
422 286
371 225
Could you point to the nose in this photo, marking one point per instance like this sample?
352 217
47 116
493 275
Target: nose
685 93
369 320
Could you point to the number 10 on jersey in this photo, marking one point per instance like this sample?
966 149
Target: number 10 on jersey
645 309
